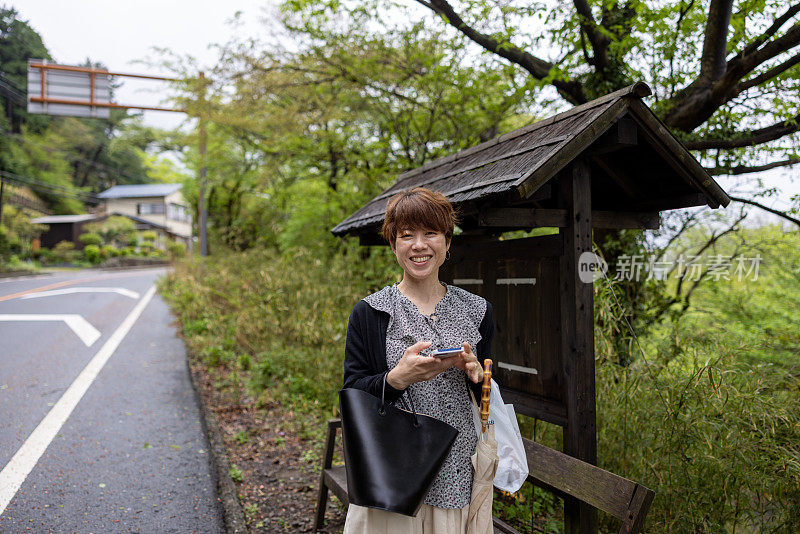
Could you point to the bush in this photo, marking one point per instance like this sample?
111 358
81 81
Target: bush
149 235
92 253
108 251
287 312
176 249
90 238
125 251
45 255
116 230
65 251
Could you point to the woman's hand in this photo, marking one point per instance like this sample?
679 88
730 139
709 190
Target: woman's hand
413 367
468 362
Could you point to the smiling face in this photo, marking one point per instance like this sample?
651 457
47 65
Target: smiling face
420 252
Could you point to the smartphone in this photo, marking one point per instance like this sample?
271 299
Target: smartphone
445 353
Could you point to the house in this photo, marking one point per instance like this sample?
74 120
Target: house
159 207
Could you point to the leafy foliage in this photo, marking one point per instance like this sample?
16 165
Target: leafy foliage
115 230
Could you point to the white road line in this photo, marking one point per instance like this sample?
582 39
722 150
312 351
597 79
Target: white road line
67 291
82 328
17 470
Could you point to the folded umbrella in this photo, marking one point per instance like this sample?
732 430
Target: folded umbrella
484 462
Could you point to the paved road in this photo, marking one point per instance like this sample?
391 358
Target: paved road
98 435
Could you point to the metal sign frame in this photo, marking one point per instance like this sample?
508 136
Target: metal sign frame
96 82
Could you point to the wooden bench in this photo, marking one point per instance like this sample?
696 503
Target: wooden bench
550 469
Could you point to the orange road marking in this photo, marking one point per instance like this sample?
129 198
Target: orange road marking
65 283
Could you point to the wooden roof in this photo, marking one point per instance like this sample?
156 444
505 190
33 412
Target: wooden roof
637 165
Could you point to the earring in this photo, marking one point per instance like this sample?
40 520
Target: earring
447 255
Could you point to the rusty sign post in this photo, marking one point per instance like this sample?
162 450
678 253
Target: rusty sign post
86 92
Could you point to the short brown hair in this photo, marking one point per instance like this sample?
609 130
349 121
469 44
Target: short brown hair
418 208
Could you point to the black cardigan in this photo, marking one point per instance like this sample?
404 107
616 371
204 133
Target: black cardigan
365 350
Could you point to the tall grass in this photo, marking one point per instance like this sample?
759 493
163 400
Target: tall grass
271 327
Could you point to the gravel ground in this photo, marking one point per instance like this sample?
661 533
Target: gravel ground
276 473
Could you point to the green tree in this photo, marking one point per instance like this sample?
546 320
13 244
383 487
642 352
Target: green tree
16 233
296 140
64 159
725 74
19 42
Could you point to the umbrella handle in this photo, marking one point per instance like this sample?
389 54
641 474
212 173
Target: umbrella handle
485 392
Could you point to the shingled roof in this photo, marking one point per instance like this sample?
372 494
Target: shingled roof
650 170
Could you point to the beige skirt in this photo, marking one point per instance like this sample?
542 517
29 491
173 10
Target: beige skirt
429 520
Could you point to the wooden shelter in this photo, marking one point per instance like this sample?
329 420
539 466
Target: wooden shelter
609 163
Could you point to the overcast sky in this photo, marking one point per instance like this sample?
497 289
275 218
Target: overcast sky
118 33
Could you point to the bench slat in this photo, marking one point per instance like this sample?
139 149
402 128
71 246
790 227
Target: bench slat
603 490
336 479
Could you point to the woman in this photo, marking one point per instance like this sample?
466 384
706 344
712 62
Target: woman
391 333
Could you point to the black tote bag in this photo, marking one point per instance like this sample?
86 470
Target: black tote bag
391 455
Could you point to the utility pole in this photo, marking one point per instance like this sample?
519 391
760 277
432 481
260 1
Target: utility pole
2 186
201 198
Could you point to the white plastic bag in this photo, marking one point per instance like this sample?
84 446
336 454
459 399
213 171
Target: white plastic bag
513 467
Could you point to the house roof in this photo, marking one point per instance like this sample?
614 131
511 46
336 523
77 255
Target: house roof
55 219
140 190
651 170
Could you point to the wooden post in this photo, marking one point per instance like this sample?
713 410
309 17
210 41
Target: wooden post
201 201
577 336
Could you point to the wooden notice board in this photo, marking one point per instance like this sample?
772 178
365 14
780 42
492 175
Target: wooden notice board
520 279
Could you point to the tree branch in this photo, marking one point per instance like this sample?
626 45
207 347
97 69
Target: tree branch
538 68
598 41
751 138
772 30
741 65
744 169
702 98
766 208
768 74
712 60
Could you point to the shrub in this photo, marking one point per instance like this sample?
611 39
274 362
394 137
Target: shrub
108 251
125 251
176 249
149 235
92 253
90 238
116 230
65 251
45 255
